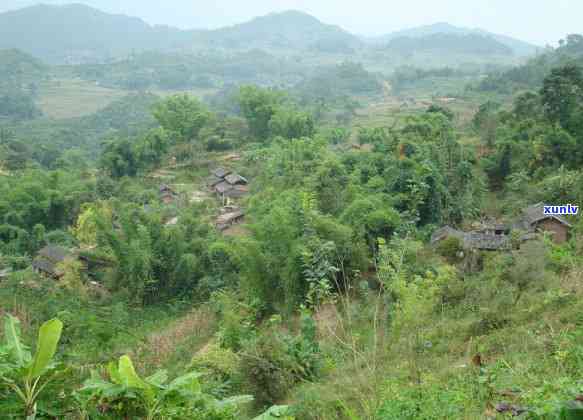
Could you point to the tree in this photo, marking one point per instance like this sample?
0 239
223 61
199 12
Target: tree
486 121
153 146
562 95
183 115
258 107
291 124
528 268
442 110
119 158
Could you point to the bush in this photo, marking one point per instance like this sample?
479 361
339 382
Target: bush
221 369
275 361
236 320
450 248
490 320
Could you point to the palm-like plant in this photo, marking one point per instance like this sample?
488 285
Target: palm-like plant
126 394
24 374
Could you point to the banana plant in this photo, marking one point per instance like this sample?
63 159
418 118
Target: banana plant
27 375
126 394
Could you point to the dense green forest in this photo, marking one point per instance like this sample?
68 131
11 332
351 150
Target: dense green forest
291 230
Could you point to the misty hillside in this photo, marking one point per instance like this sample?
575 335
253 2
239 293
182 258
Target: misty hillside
518 47
16 65
79 33
449 43
289 30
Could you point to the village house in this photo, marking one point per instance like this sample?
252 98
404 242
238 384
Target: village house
230 217
496 237
167 194
533 220
488 239
227 185
48 260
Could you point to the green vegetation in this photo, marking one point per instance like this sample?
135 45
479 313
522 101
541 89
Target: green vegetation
462 44
332 295
20 75
531 74
66 98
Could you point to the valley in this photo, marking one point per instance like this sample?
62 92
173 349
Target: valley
284 220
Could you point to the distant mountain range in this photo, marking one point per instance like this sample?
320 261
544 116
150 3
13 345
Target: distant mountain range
518 47
78 33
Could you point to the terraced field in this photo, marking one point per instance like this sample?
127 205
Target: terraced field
70 98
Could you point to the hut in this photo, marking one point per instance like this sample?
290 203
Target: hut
212 181
226 220
483 240
235 179
444 233
533 219
48 260
167 194
221 172
227 185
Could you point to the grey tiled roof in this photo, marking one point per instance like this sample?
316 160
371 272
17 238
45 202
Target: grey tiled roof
535 213
221 172
49 258
473 240
54 253
235 179
223 187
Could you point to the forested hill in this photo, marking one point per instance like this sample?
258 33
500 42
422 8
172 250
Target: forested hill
18 67
517 46
291 29
76 32
531 74
449 43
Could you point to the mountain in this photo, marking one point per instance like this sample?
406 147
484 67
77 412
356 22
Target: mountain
77 33
518 47
19 67
80 33
449 43
286 30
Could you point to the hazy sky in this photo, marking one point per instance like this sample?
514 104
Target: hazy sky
537 21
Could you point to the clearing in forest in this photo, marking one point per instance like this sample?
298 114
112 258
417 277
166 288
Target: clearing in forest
64 98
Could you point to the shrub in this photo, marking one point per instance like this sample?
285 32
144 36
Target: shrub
490 320
236 320
221 368
275 361
450 248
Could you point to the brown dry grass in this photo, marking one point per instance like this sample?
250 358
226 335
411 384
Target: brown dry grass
327 321
160 346
19 311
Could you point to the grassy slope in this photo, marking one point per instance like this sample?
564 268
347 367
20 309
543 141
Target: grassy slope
65 98
531 355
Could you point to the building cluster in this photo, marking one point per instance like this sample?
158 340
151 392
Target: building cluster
492 237
497 237
228 186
